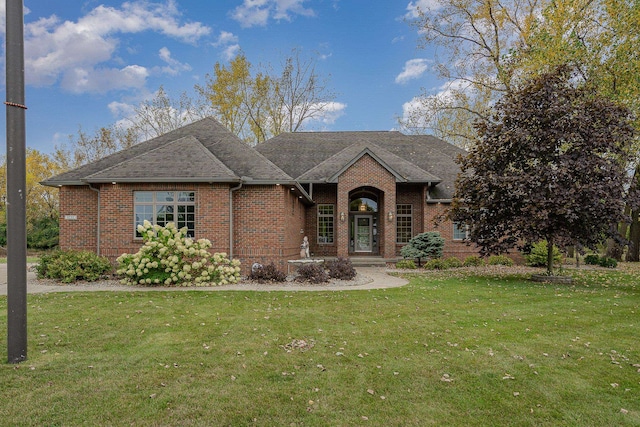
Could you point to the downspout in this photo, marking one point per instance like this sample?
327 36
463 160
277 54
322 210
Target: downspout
231 190
97 190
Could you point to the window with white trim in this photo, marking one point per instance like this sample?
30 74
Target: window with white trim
163 207
404 223
326 219
460 231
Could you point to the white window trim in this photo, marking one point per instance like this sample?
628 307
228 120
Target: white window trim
398 216
155 203
333 224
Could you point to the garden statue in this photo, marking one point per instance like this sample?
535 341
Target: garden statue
304 248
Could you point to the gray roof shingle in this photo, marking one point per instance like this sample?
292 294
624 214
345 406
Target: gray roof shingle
303 155
205 151
157 159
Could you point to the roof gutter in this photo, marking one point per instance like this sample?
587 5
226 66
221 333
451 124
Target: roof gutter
231 190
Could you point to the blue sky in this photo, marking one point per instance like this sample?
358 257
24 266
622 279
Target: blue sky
87 62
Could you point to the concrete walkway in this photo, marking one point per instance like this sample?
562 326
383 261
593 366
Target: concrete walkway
368 278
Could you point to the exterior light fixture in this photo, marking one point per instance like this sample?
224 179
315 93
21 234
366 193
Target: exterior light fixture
390 216
341 216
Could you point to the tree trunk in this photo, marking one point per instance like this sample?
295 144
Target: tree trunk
633 254
550 256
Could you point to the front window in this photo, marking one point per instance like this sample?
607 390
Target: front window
325 224
460 231
163 207
404 223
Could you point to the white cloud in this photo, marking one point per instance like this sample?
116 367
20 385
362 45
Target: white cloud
173 66
77 53
415 7
327 113
229 44
87 79
257 12
413 69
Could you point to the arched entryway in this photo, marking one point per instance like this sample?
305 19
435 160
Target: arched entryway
364 233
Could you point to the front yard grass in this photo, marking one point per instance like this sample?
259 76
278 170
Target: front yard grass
456 349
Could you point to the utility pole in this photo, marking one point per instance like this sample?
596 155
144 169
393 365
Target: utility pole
16 186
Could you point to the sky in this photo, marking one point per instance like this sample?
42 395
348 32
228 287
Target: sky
87 63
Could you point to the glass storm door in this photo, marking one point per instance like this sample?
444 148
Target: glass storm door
363 233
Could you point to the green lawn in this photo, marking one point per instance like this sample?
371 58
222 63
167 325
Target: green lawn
452 349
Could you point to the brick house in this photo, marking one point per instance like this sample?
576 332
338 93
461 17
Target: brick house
354 194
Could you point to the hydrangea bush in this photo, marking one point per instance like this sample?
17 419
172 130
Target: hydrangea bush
168 257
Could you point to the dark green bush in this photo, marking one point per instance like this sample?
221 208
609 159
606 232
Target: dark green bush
436 264
71 266
452 262
341 269
43 233
608 262
313 273
500 260
473 261
268 273
592 259
407 264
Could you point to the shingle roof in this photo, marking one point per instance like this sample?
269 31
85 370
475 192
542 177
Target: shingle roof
188 156
166 158
304 155
206 151
331 168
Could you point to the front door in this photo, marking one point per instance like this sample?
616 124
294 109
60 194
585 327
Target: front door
363 234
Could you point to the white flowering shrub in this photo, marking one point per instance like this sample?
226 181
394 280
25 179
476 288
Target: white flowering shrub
170 258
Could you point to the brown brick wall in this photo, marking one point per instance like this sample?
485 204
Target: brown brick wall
412 194
267 223
80 203
322 194
267 220
452 248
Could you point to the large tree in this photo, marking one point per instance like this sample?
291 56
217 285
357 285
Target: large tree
483 48
549 164
259 105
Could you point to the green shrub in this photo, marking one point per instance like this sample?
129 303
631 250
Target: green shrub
473 261
436 264
424 245
608 262
407 264
341 269
537 257
592 259
43 233
267 273
452 262
169 257
71 266
500 260
312 273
